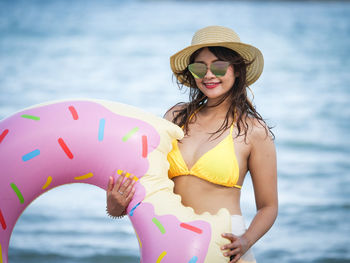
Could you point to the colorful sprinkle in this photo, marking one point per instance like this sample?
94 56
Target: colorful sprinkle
30 155
193 259
191 228
83 177
133 209
138 240
159 225
65 148
161 256
130 133
35 118
48 182
73 112
0 254
135 178
144 146
2 221
127 175
101 129
3 134
18 193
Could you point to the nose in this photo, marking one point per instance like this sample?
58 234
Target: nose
209 74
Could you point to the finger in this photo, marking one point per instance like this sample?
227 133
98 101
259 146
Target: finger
232 252
131 194
235 258
131 179
110 184
125 185
119 181
229 246
229 236
129 188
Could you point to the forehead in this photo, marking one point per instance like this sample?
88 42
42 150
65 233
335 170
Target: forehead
205 56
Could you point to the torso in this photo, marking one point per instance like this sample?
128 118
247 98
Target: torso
201 195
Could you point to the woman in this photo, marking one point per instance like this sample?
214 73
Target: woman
225 137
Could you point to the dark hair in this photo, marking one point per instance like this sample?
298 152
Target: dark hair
240 107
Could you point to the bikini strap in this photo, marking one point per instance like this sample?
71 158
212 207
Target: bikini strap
231 129
194 113
190 118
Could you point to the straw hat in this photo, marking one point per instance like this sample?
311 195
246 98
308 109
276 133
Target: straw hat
223 37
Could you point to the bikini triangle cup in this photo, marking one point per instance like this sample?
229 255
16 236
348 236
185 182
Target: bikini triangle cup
218 165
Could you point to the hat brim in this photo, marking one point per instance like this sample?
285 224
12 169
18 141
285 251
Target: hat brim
181 59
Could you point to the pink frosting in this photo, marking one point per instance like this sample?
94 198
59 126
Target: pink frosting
166 236
84 142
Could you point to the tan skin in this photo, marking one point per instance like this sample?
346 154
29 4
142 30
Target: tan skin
257 154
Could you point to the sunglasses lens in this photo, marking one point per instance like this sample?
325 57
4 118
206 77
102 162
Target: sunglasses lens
219 68
198 70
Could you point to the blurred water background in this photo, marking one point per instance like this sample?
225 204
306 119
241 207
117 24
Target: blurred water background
119 50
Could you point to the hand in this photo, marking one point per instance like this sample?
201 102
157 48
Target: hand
237 247
119 194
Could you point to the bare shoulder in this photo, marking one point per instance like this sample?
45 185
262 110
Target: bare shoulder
258 131
171 113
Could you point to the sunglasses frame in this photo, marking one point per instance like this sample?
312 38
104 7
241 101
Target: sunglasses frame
197 75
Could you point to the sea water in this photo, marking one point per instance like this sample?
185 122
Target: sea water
119 50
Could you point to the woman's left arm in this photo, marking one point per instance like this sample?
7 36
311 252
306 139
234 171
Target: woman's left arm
262 165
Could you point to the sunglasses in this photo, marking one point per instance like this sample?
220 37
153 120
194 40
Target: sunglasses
199 70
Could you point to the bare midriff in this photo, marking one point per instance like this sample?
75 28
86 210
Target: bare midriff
204 196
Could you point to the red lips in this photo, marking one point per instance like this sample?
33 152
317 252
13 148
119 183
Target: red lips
211 85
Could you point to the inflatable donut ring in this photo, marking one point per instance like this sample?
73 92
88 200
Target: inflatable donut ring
87 141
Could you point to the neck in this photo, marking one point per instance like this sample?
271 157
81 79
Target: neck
216 108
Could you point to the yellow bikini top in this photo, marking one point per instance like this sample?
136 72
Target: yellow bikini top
219 165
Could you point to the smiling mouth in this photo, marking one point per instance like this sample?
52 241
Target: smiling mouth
211 85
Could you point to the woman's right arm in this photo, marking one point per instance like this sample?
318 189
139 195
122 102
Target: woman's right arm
119 194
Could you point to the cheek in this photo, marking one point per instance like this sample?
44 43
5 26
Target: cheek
230 72
230 77
198 82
